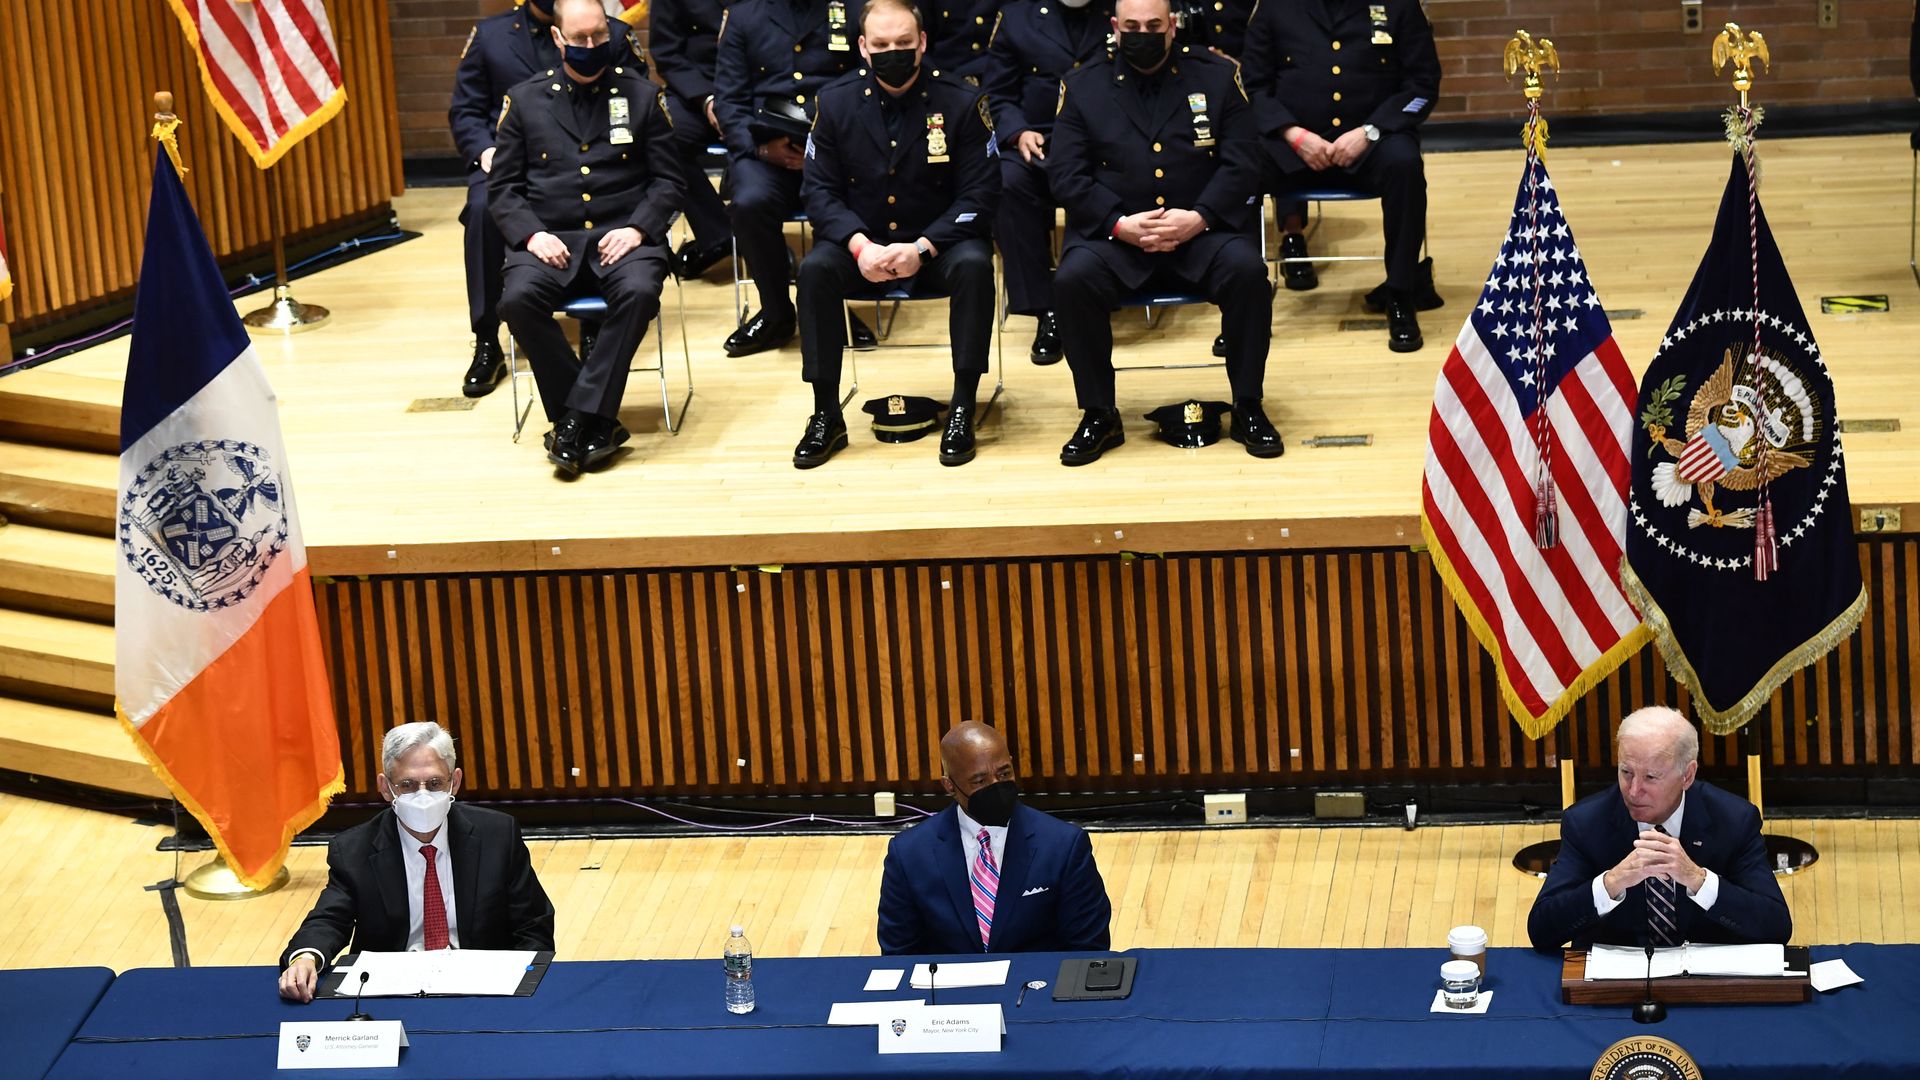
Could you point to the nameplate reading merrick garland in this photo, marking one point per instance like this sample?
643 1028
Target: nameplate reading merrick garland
341 1044
943 1029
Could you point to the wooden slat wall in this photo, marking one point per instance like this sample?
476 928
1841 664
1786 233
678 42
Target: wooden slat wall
76 162
1109 675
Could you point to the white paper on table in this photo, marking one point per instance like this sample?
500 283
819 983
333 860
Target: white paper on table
955 976
1606 962
1610 962
1479 1007
1832 975
857 1013
461 972
884 980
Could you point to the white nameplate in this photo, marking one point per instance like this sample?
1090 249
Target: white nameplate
341 1044
943 1029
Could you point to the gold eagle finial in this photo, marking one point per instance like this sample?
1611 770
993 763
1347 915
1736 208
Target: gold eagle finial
1740 47
1523 53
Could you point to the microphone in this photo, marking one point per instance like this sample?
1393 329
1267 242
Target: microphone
357 991
933 996
1649 1011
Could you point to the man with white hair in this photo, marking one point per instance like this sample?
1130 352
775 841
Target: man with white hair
1661 858
425 873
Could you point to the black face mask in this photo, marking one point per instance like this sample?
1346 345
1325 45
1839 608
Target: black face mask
993 805
895 67
1143 50
588 61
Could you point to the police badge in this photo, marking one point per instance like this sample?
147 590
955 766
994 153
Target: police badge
837 27
301 1042
1202 126
203 522
936 138
899 1027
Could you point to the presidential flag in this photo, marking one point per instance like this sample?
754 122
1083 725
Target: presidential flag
270 67
1740 552
218 673
1523 503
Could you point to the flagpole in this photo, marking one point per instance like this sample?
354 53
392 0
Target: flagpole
284 315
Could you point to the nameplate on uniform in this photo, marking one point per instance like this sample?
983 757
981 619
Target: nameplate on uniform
617 111
619 136
837 27
943 1029
341 1044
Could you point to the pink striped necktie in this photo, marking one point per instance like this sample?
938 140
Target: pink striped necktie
985 877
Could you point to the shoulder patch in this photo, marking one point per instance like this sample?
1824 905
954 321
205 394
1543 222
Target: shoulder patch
986 118
468 47
506 102
633 43
660 99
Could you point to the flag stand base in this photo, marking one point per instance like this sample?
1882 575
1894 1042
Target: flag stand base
215 881
286 315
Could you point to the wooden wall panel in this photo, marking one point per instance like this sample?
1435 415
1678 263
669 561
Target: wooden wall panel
1110 675
76 161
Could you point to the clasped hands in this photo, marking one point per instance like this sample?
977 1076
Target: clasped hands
613 246
881 263
1320 154
1160 229
1655 855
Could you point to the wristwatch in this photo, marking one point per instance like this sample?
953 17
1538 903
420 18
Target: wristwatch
1373 133
926 251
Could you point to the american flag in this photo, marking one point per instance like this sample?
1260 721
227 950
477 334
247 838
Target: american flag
1553 617
270 67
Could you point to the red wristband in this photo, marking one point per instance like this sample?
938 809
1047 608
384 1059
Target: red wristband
1296 140
863 242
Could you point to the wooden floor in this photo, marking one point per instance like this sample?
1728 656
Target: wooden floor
383 489
70 890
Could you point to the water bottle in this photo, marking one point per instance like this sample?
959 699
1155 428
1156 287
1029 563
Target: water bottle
738 957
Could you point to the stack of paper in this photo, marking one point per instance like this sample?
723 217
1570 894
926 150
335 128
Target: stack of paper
1606 962
466 972
953 976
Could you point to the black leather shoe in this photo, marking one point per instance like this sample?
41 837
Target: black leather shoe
603 438
1425 297
563 449
956 445
1253 430
1298 276
1099 432
692 260
863 336
488 368
759 334
826 436
1220 345
1046 340
1403 328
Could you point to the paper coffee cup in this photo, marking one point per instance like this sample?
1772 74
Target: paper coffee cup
1469 943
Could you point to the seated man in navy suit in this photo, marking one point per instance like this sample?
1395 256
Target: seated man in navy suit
1659 859
987 874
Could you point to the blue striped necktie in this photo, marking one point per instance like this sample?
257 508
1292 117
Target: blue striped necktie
1663 917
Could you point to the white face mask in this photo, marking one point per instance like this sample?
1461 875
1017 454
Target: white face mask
1076 3
423 811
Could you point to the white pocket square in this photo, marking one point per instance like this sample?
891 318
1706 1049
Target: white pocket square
1035 891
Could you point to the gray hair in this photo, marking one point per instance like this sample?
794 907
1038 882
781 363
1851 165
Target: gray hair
1660 721
407 738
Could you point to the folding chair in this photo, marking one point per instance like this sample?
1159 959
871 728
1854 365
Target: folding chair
593 309
897 295
740 268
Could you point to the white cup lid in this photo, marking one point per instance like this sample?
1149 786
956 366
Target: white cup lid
1459 970
1466 938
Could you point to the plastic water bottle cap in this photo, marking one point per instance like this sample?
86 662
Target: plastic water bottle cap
737 931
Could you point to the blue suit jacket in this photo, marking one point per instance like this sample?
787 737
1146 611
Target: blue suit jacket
1051 898
1720 831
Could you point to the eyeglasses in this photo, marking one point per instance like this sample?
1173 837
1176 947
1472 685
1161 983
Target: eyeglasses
409 786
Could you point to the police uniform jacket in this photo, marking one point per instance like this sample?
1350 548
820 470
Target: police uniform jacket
503 51
1375 65
940 178
957 34
684 36
780 49
1031 51
552 175
1110 158
1219 24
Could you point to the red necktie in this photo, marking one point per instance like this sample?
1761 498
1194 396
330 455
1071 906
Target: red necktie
433 906
986 885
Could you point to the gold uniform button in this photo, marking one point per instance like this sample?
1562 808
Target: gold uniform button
1218 29
1159 200
1159 172
1156 148
976 46
1336 95
543 155
798 48
1076 63
798 76
589 224
893 226
1336 121
1218 6
584 197
583 146
584 170
1336 69
891 200
799 99
979 20
1336 46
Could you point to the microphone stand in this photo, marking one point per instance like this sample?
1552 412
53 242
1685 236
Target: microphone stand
361 989
1649 1011
933 995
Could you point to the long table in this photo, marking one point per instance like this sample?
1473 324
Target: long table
40 1009
1193 1013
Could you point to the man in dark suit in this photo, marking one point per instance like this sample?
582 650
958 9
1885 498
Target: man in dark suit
425 873
585 181
1340 88
900 187
1660 859
1035 45
502 51
1152 156
684 38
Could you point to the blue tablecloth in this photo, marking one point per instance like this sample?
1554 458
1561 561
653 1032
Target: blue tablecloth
1193 1013
40 1009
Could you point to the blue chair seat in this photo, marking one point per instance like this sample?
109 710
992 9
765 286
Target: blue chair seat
586 309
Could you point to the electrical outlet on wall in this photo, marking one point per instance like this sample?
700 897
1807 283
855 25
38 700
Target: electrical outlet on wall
1826 14
1692 16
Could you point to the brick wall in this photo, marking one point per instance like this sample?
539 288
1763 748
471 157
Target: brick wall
1624 56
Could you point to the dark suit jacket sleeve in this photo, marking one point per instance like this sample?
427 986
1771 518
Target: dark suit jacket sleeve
507 183
329 926
1084 911
1420 71
1224 200
902 931
733 92
1092 207
1750 905
529 912
1000 81
665 191
976 164
1564 908
471 114
1260 68
671 57
823 184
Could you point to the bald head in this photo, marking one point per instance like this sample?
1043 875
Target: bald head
1658 754
974 755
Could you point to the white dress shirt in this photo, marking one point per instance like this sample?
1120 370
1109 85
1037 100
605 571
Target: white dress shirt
970 842
1709 889
416 863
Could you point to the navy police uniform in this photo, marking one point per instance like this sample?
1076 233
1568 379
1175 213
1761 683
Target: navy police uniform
785 50
502 51
958 32
896 170
1333 66
1216 24
684 38
1035 45
1125 143
579 161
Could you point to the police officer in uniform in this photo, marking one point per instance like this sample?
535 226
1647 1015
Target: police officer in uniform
502 51
1340 88
900 186
684 37
775 55
1220 25
584 182
1036 44
1152 157
958 33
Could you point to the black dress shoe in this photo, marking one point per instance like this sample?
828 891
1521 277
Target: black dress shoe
760 334
863 337
563 449
1253 430
1425 297
488 368
604 436
1100 431
1403 328
1220 345
1298 276
693 260
1046 340
956 445
826 436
